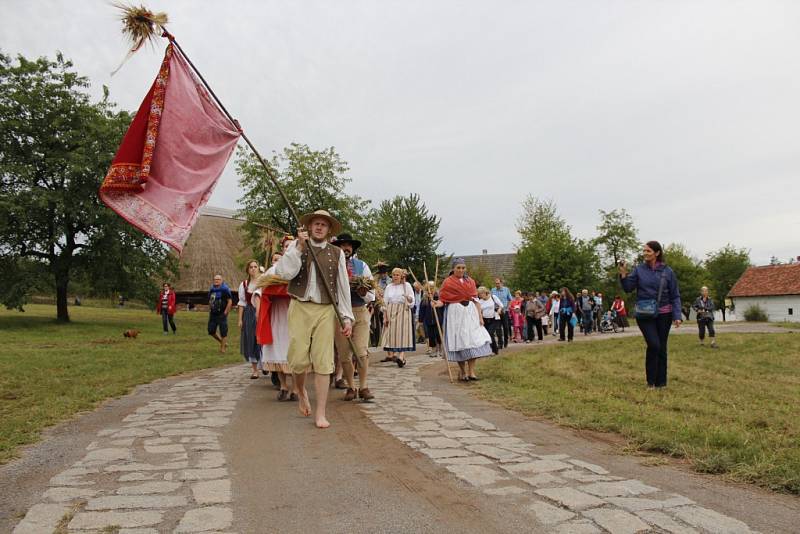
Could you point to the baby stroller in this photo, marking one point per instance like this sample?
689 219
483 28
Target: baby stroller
609 322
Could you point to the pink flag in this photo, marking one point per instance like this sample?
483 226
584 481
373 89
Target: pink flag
171 156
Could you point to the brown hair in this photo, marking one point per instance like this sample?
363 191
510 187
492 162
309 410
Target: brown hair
655 246
247 268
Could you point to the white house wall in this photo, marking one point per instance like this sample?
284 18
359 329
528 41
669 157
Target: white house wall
777 308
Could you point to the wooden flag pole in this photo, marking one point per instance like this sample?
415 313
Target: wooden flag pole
273 178
436 317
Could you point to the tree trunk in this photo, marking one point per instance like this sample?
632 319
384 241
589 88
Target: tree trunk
62 314
723 314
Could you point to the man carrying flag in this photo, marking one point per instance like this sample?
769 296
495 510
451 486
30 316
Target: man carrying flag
312 317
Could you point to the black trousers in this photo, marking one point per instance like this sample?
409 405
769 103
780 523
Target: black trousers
166 318
656 334
505 330
432 333
702 324
534 323
493 326
564 323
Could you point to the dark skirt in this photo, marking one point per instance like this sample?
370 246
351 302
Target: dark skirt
248 346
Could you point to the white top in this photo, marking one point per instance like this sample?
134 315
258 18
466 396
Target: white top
554 306
403 293
488 306
289 265
242 296
370 296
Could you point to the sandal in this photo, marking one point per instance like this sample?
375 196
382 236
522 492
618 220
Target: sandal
283 395
254 376
400 363
387 360
473 378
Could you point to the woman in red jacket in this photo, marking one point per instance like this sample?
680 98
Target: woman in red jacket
166 307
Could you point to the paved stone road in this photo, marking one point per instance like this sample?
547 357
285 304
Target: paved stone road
160 470
567 495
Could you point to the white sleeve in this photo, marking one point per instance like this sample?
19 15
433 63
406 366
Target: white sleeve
497 301
408 291
289 264
242 296
343 291
370 296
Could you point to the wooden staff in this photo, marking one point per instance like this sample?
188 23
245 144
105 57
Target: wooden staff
436 316
273 179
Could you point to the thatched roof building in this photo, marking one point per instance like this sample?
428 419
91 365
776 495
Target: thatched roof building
501 265
215 246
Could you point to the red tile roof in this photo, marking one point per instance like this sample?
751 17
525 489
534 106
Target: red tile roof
768 280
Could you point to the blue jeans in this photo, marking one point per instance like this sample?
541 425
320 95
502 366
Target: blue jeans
166 319
656 335
588 321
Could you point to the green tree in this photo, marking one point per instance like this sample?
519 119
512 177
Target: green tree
689 271
548 256
406 234
617 237
724 267
55 148
311 179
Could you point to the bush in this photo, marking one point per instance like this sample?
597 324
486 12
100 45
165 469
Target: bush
755 313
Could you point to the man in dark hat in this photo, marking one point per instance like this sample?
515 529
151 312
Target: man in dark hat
360 297
312 317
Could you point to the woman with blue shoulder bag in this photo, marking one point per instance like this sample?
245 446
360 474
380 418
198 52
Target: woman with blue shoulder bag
658 307
566 311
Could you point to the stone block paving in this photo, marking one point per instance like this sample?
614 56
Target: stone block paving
561 493
159 470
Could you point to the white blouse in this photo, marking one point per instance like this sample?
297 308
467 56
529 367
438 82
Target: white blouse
402 293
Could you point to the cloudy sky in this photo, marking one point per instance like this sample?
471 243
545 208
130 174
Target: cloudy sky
685 113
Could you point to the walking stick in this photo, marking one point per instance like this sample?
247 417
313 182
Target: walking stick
436 317
273 179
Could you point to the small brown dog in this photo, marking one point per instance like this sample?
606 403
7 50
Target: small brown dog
130 333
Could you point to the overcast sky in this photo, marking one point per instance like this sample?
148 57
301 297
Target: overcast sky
685 113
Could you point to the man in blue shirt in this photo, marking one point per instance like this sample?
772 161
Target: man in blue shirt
504 295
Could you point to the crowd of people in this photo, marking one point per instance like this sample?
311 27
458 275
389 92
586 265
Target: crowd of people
316 310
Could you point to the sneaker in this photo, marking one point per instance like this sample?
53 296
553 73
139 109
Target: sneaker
365 394
349 395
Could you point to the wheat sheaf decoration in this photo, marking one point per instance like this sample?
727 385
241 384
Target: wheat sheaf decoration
139 26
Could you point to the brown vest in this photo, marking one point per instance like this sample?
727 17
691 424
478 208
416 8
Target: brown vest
328 258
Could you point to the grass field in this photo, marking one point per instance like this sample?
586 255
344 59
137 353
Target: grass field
51 371
732 411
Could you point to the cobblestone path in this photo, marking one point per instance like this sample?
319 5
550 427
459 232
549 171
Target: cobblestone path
565 494
161 470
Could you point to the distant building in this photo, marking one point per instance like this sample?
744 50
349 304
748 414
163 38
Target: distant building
215 246
501 265
775 288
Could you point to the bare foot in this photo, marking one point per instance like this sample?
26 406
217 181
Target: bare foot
303 405
322 422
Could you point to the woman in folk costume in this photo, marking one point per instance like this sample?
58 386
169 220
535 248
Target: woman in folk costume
397 320
465 338
248 345
272 302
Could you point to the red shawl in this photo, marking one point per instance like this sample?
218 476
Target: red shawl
454 290
263 324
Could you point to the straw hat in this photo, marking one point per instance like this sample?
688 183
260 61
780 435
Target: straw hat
335 228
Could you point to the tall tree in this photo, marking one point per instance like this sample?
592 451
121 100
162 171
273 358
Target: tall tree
55 148
725 266
689 271
312 179
616 236
405 234
548 256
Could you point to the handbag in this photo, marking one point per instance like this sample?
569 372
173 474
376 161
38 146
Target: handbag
648 308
